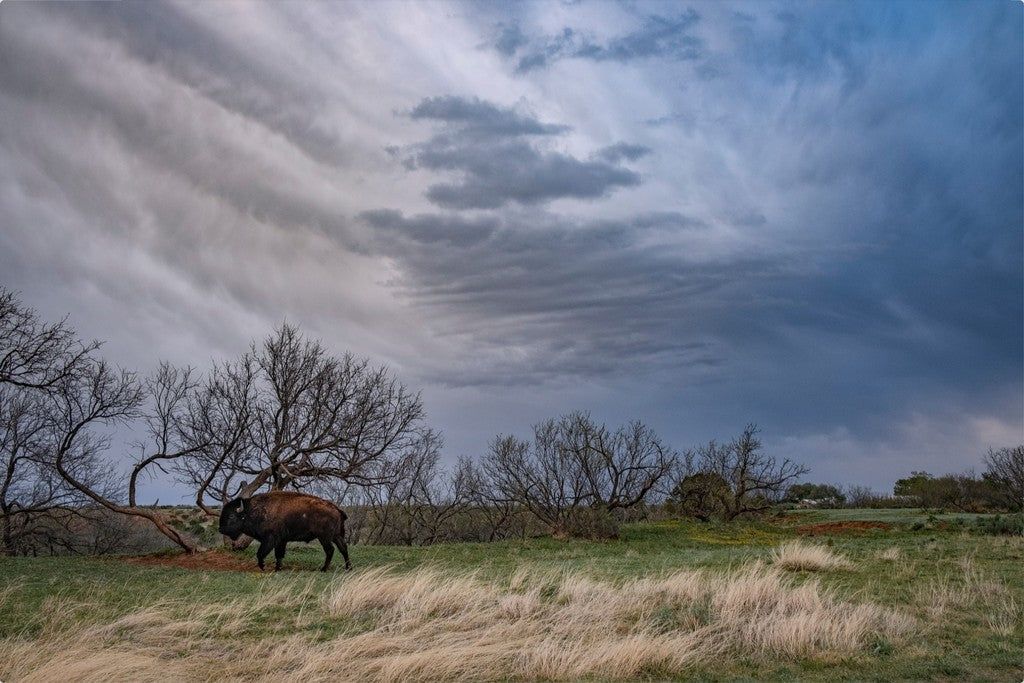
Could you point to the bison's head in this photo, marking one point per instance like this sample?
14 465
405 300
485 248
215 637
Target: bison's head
234 517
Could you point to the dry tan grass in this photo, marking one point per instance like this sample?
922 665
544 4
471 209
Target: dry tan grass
890 554
797 556
1006 618
971 587
434 625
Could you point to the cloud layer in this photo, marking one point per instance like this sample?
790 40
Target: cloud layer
803 215
493 152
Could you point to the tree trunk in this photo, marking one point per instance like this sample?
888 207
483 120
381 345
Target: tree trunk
183 540
7 548
241 543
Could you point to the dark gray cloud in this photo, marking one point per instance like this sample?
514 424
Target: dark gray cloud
516 171
623 150
510 38
657 36
889 284
490 149
576 298
425 229
474 116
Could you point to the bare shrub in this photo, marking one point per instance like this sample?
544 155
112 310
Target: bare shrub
416 501
732 480
573 464
1005 472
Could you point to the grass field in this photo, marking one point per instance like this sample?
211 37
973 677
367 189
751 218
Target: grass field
920 600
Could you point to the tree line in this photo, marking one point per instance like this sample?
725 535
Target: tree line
289 414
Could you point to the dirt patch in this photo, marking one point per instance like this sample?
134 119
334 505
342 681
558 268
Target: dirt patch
841 528
213 560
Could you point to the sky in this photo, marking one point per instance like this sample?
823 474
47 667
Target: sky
804 215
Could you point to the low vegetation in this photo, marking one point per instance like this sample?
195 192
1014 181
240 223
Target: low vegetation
799 556
434 624
668 600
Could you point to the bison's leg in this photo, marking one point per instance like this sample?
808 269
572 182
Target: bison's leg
279 554
329 551
343 547
263 551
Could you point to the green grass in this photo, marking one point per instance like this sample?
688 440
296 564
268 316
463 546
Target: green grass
965 591
900 516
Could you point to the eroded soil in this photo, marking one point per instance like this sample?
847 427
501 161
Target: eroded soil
214 560
841 528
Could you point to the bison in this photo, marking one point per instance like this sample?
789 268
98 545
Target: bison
278 517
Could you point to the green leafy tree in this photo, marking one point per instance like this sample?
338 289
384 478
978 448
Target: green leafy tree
703 495
964 492
913 485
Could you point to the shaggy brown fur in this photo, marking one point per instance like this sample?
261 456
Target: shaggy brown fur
278 517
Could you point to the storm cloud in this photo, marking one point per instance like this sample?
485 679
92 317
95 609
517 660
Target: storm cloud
491 150
803 215
666 37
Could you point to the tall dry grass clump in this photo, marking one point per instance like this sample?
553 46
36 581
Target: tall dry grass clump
890 554
797 556
433 625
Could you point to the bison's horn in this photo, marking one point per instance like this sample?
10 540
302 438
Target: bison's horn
240 492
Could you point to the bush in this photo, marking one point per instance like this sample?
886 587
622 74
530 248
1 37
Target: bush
1005 475
700 495
1000 525
592 523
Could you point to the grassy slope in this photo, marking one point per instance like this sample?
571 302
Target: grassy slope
965 592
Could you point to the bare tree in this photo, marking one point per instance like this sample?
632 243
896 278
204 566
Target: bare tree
167 423
437 497
1005 472
37 360
390 496
858 496
30 489
538 477
498 513
100 396
58 400
575 471
416 501
23 488
755 480
212 431
35 354
621 468
289 414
